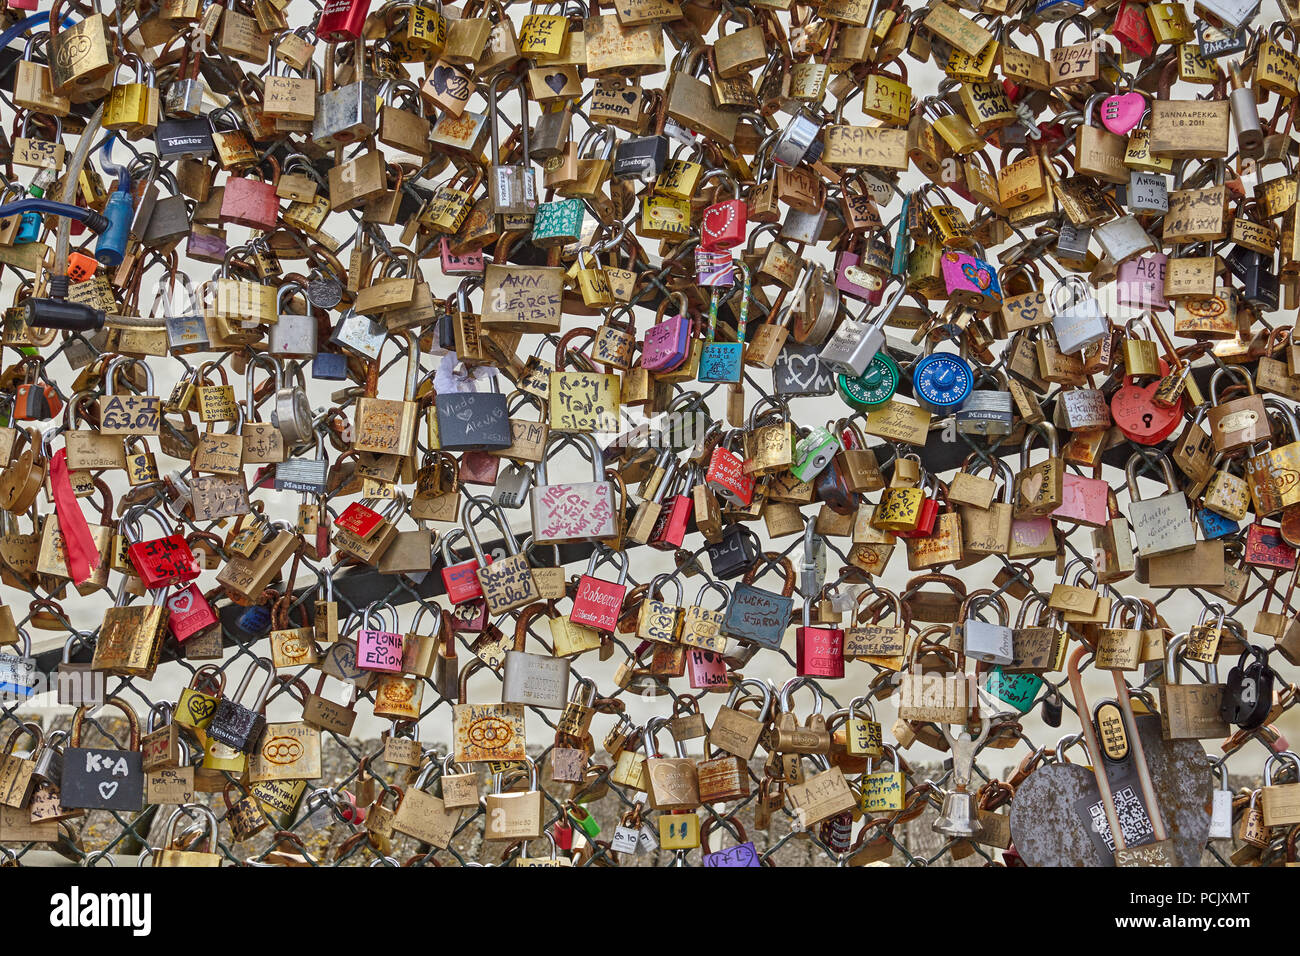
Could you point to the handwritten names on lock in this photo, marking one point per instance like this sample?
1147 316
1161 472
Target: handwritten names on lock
218 496
288 751
102 779
573 511
163 561
658 622
702 627
507 583
379 650
129 414
873 640
757 616
708 669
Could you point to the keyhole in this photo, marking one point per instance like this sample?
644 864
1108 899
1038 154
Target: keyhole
1146 419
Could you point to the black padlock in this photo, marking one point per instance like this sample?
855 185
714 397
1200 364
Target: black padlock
833 489
237 725
732 556
184 139
1257 274
641 157
1248 693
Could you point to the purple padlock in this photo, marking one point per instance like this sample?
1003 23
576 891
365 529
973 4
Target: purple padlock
666 344
1141 282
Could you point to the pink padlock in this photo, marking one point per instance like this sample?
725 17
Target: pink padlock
668 342
189 612
1083 501
706 670
1032 534
470 264
460 578
1141 283
971 281
379 649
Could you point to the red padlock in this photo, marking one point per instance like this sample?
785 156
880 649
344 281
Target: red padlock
162 561
34 400
674 519
707 669
1265 547
1138 416
819 651
726 476
470 617
1133 30
599 603
341 20
724 223
189 613
460 578
250 202
928 515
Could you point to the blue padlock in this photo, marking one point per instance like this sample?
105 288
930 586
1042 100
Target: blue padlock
722 361
1215 525
256 619
331 366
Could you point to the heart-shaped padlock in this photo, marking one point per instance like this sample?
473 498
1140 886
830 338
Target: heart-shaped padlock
1122 112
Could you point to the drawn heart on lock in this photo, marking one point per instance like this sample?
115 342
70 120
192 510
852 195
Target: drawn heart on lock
673 782
441 74
107 789
556 81
1031 486
794 362
180 603
200 708
1122 112
982 277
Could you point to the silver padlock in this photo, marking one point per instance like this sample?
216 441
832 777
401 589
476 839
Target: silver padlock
1147 192
804 227
988 411
307 475
855 343
1221 809
1123 239
345 115
1161 525
1082 409
359 334
513 483
292 336
1078 321
982 641
535 680
793 143
1072 242
292 411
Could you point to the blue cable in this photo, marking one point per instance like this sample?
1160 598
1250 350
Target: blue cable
49 207
21 27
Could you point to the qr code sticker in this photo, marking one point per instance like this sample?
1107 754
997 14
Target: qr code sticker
1133 820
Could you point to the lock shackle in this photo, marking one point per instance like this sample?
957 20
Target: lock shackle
1290 755
793 684
260 663
160 715
600 554
671 577
559 440
1217 611
374 611
856 704
32 730
498 778
419 616
119 363
133 725
1046 430
1232 371
206 822
1144 455
712 586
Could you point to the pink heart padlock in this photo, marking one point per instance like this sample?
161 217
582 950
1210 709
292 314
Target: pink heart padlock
1122 112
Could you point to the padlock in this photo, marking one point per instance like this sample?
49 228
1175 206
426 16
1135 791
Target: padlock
238 725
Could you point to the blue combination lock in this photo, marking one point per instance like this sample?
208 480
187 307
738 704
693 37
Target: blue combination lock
941 381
